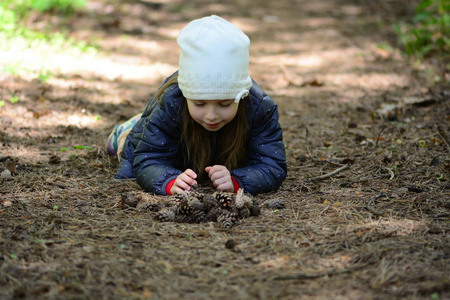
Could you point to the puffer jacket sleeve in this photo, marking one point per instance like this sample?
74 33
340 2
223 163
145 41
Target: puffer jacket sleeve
152 145
266 168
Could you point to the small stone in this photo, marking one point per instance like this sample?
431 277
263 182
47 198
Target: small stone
54 160
434 162
129 199
352 125
5 174
359 138
255 210
230 244
302 158
415 189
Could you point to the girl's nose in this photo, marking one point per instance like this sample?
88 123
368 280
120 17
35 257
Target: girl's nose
211 113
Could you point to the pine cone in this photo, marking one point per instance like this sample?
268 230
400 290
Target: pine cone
196 204
210 202
195 192
165 215
177 198
243 200
150 206
226 219
183 219
244 213
213 214
276 203
199 216
129 199
225 199
183 208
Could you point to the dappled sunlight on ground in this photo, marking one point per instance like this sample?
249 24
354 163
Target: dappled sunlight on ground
139 69
374 81
391 227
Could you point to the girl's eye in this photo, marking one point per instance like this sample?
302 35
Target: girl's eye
199 104
225 104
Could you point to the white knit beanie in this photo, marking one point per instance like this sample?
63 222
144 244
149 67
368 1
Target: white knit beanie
214 60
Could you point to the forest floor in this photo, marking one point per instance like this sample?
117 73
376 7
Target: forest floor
367 204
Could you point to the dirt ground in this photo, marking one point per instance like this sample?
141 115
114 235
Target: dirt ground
367 201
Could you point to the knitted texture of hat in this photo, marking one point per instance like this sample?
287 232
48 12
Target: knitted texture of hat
214 60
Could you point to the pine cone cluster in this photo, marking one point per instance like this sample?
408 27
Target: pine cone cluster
195 206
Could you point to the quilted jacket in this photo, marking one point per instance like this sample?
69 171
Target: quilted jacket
153 155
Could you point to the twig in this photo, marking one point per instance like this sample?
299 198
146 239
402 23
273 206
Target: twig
60 185
443 135
379 136
306 142
344 167
349 183
439 216
314 276
373 210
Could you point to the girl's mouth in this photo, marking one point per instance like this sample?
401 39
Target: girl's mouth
212 126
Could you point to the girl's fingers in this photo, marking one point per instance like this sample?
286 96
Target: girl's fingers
221 178
217 171
188 176
184 182
226 187
190 173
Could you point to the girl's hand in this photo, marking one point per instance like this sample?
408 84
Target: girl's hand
221 178
184 182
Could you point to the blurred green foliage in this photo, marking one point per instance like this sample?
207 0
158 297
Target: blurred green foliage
23 7
16 36
428 33
14 14
61 5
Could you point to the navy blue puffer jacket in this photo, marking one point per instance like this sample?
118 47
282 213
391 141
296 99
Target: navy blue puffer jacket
152 148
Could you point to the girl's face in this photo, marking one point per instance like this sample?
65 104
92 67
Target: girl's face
212 114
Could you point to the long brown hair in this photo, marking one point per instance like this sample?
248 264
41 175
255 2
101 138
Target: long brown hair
228 148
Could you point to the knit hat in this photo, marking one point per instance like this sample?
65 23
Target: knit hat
214 60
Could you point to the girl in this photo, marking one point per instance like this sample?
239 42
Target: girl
208 121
